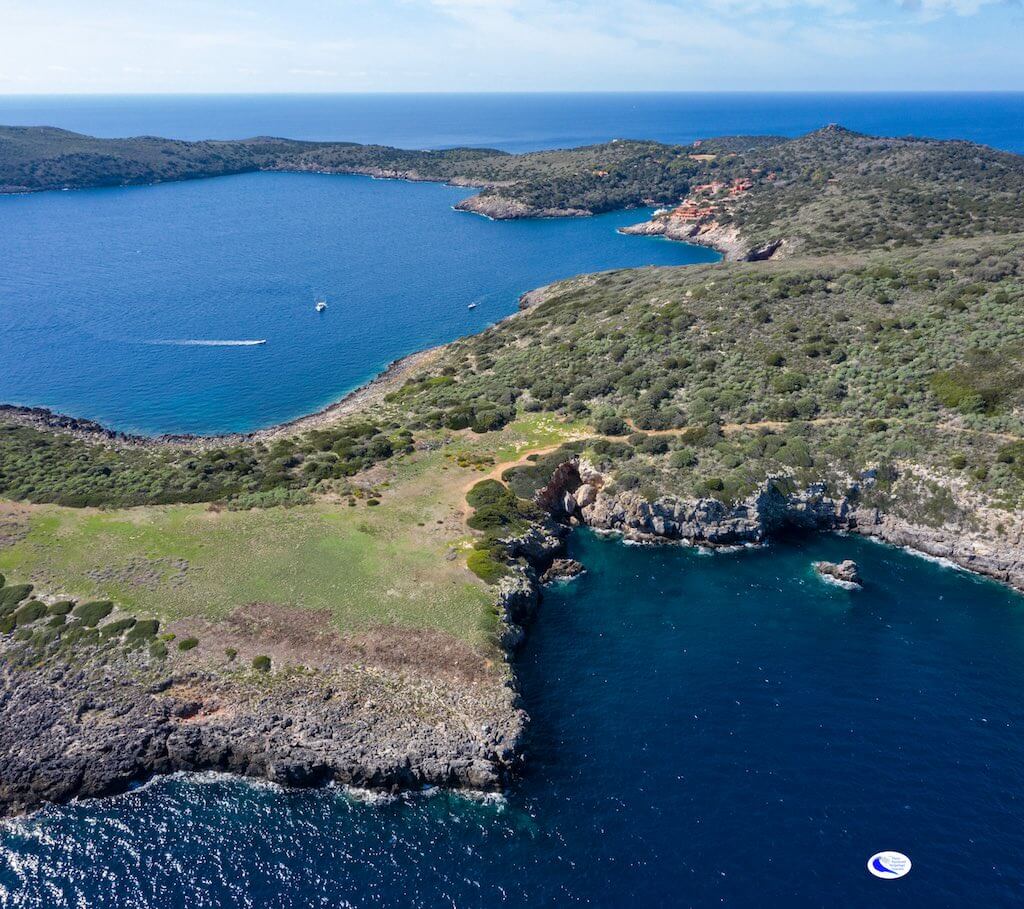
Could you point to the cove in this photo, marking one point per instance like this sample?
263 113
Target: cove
103 293
707 730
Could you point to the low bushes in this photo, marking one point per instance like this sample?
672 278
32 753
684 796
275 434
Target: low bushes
497 510
485 566
12 596
115 629
143 630
89 614
30 612
261 663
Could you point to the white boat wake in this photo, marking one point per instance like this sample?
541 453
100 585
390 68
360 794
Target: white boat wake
200 342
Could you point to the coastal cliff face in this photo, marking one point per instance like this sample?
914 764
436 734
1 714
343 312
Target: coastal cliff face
578 493
92 727
725 239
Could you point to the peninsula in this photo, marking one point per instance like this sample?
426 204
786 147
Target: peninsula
340 598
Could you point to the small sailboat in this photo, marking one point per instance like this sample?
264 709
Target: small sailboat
321 305
472 306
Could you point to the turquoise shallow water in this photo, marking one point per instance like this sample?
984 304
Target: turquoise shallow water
707 730
94 283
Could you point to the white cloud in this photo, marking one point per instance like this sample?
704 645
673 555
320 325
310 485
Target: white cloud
489 45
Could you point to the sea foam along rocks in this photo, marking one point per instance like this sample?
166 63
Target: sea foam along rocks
845 573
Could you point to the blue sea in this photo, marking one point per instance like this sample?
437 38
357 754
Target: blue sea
707 730
110 298
527 122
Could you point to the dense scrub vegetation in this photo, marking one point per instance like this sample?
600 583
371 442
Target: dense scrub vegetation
696 380
834 190
42 466
498 514
702 380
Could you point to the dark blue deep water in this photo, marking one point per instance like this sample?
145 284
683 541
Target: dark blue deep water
707 730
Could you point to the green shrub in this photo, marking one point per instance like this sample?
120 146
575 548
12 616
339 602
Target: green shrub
261 663
7 623
486 492
89 614
788 382
958 462
29 612
230 653
966 391
795 453
498 512
684 457
13 595
143 630
612 426
115 629
714 484
188 643
61 608
158 649
483 564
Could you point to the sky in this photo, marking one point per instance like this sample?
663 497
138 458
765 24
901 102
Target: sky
114 46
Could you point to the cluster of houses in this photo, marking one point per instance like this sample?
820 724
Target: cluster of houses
701 204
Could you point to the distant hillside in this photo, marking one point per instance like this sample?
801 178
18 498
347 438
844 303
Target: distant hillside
830 190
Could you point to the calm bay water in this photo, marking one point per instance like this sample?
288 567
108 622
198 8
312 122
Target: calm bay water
95 284
707 730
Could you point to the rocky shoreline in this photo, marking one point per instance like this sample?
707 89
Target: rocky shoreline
95 724
500 208
90 431
577 494
726 240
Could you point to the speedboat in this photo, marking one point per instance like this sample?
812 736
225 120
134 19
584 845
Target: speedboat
321 305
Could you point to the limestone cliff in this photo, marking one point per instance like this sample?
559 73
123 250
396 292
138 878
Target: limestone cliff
577 493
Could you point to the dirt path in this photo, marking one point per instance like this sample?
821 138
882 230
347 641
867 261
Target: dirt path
524 458
727 428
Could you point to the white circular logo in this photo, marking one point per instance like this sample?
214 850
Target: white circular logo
888 865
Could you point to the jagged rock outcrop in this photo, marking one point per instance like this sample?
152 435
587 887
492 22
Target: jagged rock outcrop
562 570
725 239
1001 559
845 573
577 491
520 590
